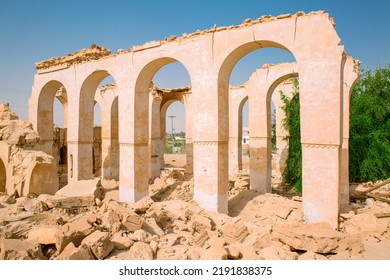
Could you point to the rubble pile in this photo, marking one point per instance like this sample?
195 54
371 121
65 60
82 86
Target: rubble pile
25 165
163 226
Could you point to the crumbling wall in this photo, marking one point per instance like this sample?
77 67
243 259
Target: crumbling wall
26 169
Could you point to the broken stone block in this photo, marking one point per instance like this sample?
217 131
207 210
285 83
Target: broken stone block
72 252
109 218
99 243
121 241
216 249
270 253
142 236
195 253
74 232
142 205
43 234
152 227
177 252
309 255
200 223
233 252
35 205
15 249
365 223
234 231
82 188
72 202
140 251
131 221
318 238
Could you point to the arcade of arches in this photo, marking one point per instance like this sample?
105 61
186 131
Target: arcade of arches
132 117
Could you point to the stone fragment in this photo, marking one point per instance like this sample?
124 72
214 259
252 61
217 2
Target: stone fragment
131 221
195 253
109 218
319 238
72 252
200 223
99 243
72 202
270 253
309 255
43 234
365 223
35 205
142 236
233 252
15 249
152 227
74 232
235 231
121 241
216 250
142 205
177 252
140 251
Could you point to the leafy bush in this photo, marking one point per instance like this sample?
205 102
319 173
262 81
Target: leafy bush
369 146
292 174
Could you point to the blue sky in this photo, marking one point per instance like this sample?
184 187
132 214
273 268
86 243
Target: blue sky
32 30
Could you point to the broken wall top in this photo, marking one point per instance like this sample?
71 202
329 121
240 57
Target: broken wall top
95 52
14 131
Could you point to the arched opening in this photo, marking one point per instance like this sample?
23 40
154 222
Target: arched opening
88 154
168 131
243 136
174 134
3 176
97 141
60 132
52 95
259 88
145 140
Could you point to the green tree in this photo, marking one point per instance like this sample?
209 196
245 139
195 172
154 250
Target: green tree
369 146
292 174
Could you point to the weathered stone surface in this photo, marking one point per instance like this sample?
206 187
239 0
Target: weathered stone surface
235 231
140 251
270 253
72 252
83 188
121 241
152 227
72 202
131 221
43 234
318 238
99 244
35 205
200 223
216 249
141 206
233 251
15 249
142 236
365 223
177 252
74 232
311 256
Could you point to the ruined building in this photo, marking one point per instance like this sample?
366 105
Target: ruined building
131 132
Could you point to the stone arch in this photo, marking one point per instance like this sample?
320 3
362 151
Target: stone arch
134 175
45 124
3 176
81 149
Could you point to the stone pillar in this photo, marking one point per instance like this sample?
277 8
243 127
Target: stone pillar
260 137
351 76
110 144
321 112
189 145
133 139
237 97
155 136
210 134
281 154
